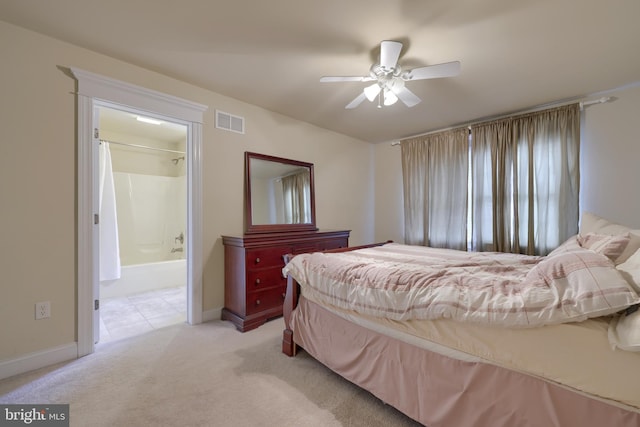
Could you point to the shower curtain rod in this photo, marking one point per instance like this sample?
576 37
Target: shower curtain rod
166 150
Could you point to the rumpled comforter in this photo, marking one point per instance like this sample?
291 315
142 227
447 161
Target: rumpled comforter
404 282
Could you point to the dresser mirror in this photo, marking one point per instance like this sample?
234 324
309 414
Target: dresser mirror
279 194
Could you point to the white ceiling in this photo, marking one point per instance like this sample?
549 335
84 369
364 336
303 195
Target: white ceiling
514 54
127 123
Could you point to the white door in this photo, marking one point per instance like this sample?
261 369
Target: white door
95 156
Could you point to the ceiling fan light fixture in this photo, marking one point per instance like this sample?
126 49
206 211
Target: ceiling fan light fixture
390 98
372 91
148 120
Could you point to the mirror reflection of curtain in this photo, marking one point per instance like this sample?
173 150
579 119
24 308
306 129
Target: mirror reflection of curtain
296 189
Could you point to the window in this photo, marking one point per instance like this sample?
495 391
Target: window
521 188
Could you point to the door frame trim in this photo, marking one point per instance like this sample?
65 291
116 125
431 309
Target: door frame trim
91 90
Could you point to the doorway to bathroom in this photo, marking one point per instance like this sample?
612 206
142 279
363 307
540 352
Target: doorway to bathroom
96 90
143 222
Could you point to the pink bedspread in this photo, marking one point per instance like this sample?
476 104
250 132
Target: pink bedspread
404 282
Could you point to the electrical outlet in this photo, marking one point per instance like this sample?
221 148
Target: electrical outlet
43 310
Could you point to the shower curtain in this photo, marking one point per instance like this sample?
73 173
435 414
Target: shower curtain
109 245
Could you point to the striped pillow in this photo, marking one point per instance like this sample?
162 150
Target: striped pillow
610 246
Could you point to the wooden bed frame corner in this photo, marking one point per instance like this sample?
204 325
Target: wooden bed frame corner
289 347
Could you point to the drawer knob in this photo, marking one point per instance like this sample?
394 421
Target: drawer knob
257 302
257 282
257 260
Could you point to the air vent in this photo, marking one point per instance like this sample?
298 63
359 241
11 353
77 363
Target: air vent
229 122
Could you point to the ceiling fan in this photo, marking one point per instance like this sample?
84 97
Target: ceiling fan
390 78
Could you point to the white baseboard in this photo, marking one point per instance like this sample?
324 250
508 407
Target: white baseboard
62 353
213 314
38 360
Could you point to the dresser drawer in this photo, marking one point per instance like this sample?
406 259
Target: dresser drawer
267 257
334 244
306 247
319 246
264 300
259 279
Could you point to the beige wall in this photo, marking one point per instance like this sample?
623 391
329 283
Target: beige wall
610 148
610 175
38 176
389 198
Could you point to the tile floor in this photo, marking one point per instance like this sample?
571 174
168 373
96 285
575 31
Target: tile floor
136 314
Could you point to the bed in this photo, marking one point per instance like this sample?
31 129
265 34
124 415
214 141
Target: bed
481 339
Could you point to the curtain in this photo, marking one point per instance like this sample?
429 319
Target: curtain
108 231
525 181
296 190
435 180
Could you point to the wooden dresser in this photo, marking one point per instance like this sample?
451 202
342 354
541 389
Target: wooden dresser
254 287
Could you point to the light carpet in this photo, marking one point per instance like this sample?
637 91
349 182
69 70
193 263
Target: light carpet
203 375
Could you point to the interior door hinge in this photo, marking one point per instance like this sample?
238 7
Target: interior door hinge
96 219
96 304
96 133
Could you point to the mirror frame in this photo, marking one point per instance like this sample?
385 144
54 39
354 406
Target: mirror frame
250 227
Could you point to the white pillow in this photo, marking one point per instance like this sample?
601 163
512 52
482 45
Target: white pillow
630 269
591 223
624 332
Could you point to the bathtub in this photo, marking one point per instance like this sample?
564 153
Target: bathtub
139 278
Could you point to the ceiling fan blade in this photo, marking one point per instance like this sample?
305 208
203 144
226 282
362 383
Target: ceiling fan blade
448 69
331 79
389 54
357 101
405 95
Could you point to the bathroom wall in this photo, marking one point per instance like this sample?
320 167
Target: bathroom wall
150 195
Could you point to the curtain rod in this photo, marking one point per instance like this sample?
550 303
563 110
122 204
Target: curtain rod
504 116
166 150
